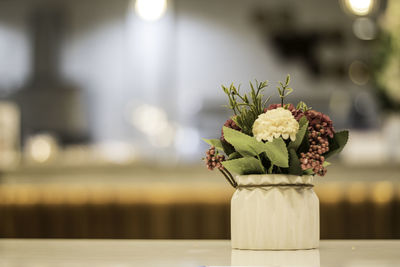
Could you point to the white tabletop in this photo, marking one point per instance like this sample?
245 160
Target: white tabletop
34 252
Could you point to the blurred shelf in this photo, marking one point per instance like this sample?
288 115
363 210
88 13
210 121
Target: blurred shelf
142 172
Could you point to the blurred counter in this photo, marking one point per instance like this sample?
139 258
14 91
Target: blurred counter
184 253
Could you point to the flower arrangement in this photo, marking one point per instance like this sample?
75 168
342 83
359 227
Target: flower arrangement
274 139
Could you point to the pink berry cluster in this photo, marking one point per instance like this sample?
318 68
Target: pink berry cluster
230 124
319 129
213 159
321 122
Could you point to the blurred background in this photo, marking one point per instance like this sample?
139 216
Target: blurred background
103 104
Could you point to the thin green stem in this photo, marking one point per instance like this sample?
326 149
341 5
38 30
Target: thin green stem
259 159
232 183
232 179
271 168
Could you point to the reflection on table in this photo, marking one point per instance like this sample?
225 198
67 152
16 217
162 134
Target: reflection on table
299 258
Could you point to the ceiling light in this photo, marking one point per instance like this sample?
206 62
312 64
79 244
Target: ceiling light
150 10
359 7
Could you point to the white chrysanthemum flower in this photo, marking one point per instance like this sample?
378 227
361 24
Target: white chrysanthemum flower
275 123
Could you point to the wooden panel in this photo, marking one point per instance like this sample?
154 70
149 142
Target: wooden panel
345 213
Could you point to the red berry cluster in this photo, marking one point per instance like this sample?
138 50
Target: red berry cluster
313 159
213 159
319 129
321 122
297 113
230 124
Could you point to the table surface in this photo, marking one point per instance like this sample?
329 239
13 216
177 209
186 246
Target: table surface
62 252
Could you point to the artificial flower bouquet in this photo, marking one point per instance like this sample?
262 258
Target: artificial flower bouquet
262 138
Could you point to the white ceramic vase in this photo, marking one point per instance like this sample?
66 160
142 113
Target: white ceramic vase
274 212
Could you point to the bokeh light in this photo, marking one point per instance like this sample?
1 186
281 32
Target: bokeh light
153 122
360 7
358 72
41 148
151 10
149 119
364 29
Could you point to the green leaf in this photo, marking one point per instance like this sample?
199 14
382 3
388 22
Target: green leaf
266 101
251 86
214 142
234 155
287 79
248 146
302 106
303 123
289 91
247 165
294 163
305 144
228 149
308 172
326 164
222 146
235 119
337 143
303 120
277 152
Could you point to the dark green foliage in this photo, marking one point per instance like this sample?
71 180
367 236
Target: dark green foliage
303 124
305 144
246 107
234 155
228 149
245 155
337 143
303 106
248 146
220 145
284 90
294 163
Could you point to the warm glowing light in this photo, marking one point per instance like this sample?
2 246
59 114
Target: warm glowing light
41 147
116 152
357 192
153 121
151 9
383 192
331 193
164 138
360 7
149 119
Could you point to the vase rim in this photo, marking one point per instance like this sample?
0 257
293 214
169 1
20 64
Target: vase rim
275 174
274 179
